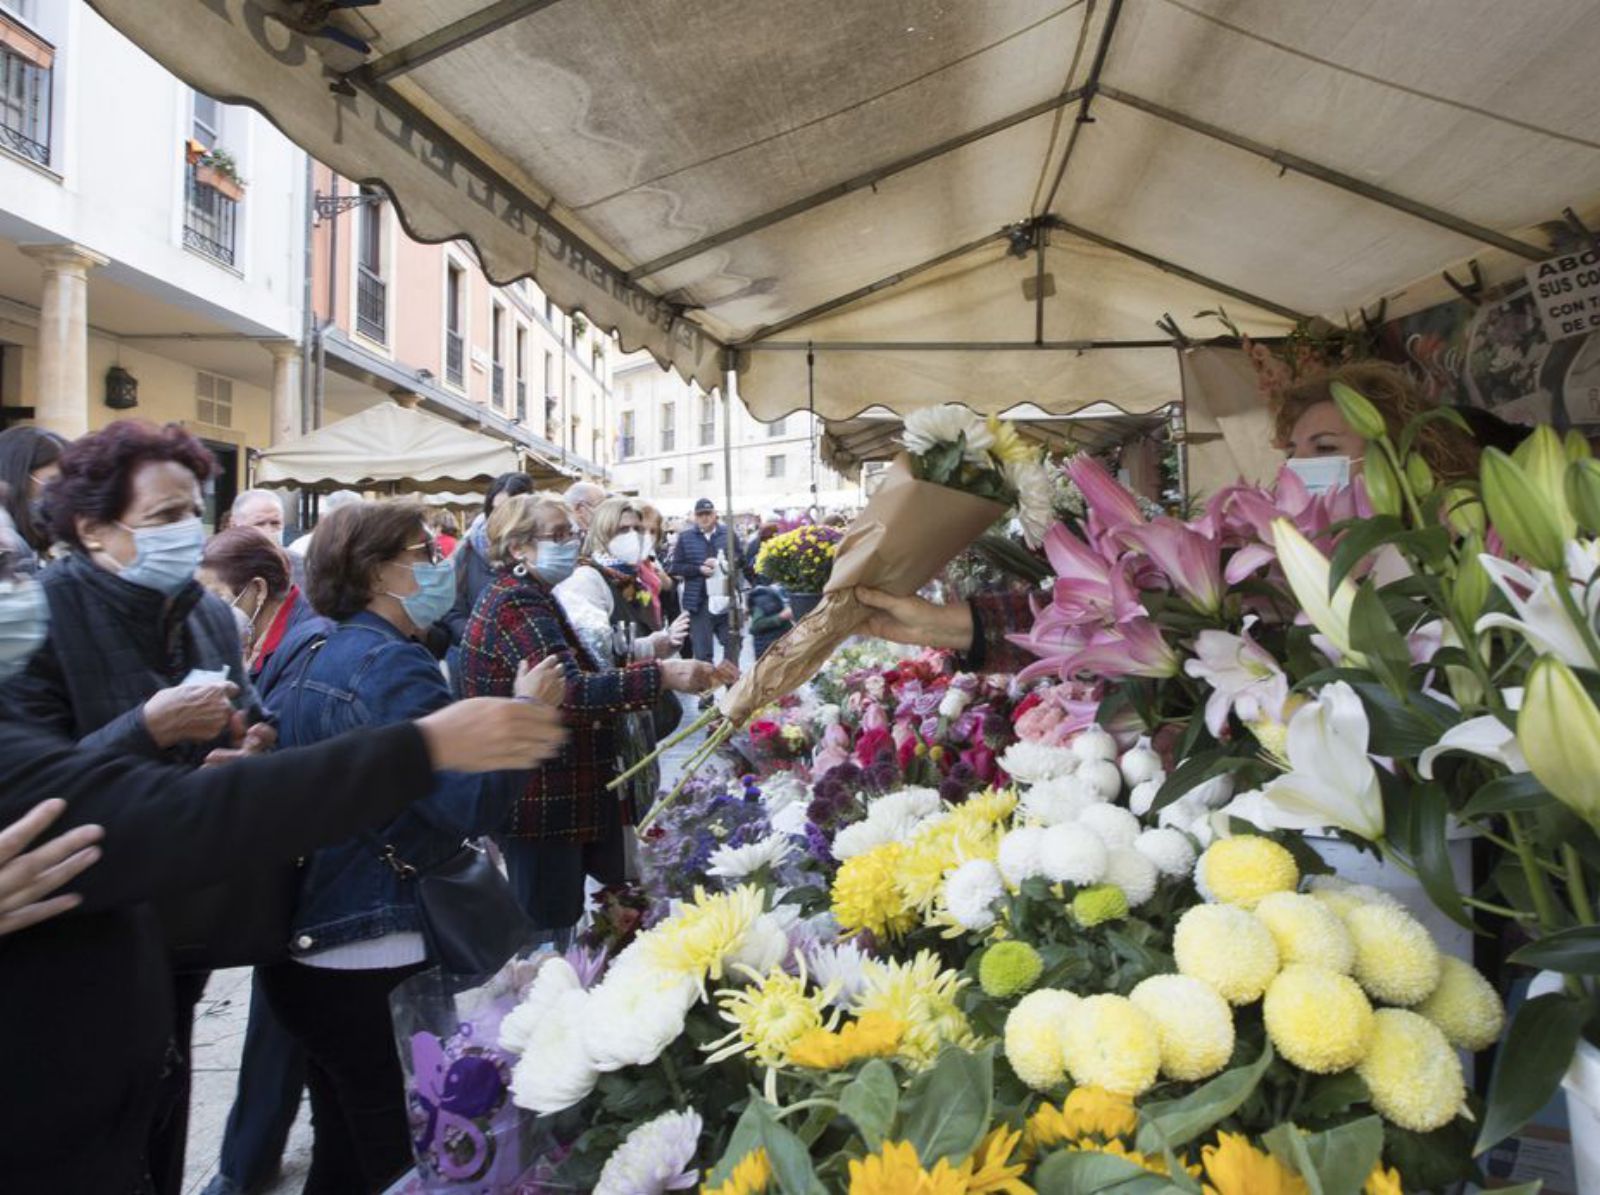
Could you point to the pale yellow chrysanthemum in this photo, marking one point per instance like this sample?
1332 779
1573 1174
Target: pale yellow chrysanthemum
1465 1006
1317 1019
1396 959
1241 870
1008 446
1112 1044
866 893
770 1016
1034 1029
970 831
922 996
1194 1023
1307 931
698 939
1087 1114
1228 948
1412 1072
1342 896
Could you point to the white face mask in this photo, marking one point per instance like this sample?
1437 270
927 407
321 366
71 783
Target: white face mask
1319 474
649 542
625 546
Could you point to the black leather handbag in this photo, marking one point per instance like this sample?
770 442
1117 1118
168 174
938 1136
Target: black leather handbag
243 922
471 920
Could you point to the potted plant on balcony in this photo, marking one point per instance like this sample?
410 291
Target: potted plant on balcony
216 169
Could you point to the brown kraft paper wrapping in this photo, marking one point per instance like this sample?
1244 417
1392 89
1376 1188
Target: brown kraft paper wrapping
907 532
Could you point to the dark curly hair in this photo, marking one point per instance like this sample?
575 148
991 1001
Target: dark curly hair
23 452
350 545
96 480
241 554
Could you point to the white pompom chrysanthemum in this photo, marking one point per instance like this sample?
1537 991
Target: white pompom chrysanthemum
1057 800
1115 825
1095 743
1030 762
1101 778
971 891
1072 854
1018 855
1170 850
1133 873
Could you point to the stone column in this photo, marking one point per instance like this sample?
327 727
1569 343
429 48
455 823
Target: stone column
285 389
61 386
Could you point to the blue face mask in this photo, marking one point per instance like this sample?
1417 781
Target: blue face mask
555 562
165 557
24 623
436 593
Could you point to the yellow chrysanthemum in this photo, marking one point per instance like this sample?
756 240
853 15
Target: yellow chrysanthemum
1382 1181
970 831
699 937
1465 1006
922 996
1412 1072
1396 959
1033 1035
895 1170
1227 948
752 1176
1240 871
1235 1167
866 893
1008 446
1087 1114
1307 931
874 1035
1194 1024
1318 1019
1111 1043
990 1168
769 1017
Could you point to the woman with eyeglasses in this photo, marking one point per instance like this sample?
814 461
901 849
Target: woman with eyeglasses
141 660
565 824
376 571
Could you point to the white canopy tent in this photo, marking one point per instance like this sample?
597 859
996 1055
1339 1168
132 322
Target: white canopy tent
912 201
387 447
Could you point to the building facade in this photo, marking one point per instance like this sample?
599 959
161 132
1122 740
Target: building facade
670 449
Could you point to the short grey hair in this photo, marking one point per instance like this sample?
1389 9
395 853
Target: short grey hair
585 493
246 497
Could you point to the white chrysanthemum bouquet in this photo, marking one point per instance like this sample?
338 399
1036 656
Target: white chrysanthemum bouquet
960 473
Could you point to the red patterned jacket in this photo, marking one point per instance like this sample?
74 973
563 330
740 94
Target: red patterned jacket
516 619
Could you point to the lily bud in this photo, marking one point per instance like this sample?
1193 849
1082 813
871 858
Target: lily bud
1520 512
1419 475
1558 730
1359 412
1544 459
1308 572
1577 446
1583 493
1383 488
1470 590
1463 511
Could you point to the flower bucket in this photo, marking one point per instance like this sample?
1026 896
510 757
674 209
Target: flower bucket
1582 1085
1361 867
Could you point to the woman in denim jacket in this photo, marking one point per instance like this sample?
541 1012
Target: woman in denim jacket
375 570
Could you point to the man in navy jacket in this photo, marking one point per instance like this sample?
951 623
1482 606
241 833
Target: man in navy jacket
693 562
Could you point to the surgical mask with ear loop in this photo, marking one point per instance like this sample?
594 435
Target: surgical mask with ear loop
24 623
626 546
1319 474
248 627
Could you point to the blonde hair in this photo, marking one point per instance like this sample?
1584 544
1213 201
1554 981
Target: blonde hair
649 516
515 521
604 522
1449 451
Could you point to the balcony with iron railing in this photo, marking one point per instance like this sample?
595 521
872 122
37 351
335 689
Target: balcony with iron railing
455 354
627 447
372 305
27 66
669 439
522 401
211 219
497 386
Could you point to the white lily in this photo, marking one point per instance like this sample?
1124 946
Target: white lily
1242 675
1331 782
1486 736
1541 617
1307 570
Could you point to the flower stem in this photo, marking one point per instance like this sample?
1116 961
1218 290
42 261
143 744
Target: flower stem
665 745
1543 903
1577 886
670 1070
802 1105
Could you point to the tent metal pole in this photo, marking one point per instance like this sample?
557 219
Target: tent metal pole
1090 88
850 185
872 288
1040 236
1334 178
451 37
1169 267
948 346
735 608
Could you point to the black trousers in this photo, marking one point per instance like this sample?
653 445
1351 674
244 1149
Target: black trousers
361 1139
169 1132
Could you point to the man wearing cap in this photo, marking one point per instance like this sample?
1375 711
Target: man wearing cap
700 564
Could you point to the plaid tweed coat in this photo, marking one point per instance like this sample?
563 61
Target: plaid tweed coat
516 619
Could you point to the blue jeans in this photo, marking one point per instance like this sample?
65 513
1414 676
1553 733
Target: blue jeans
272 1073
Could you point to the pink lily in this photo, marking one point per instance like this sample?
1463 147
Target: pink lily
1134 647
1191 562
1110 506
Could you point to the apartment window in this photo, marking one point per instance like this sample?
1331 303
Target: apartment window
522 374
572 437
207 120
669 426
27 63
211 213
497 355
213 400
454 344
372 292
706 470
775 466
666 475
549 312
627 446
708 422
777 427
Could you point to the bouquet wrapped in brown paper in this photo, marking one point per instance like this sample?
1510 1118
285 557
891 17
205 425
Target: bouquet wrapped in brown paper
959 475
